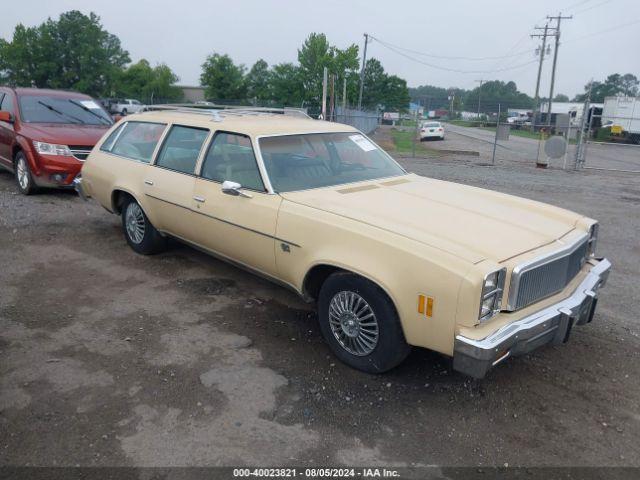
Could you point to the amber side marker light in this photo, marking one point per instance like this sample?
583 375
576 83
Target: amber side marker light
425 305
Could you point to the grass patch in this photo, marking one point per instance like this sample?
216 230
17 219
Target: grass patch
463 123
403 142
513 131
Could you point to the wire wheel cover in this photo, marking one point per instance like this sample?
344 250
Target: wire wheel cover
353 323
135 222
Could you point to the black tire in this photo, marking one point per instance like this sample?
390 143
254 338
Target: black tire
391 347
149 241
124 112
24 178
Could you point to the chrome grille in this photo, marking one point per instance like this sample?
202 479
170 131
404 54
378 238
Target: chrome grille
80 152
544 277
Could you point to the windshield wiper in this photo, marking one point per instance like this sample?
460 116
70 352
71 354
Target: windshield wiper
87 109
62 114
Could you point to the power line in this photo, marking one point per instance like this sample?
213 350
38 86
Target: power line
606 30
446 69
447 57
592 7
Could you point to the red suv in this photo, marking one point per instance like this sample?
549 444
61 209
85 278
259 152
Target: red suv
45 135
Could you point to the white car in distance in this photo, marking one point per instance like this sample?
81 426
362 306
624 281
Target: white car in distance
125 106
430 130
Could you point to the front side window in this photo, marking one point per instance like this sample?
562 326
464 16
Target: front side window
301 162
181 148
230 157
138 140
70 110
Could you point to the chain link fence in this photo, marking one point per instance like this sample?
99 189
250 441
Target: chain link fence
363 120
581 137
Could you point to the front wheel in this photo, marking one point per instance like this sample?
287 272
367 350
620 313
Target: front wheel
360 323
141 235
24 179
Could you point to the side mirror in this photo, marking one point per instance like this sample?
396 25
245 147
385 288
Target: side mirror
234 189
6 117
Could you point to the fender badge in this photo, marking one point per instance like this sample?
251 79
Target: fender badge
285 247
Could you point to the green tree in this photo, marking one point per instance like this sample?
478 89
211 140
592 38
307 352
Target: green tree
432 97
73 52
315 54
494 93
389 92
258 81
614 85
148 84
223 79
561 97
287 88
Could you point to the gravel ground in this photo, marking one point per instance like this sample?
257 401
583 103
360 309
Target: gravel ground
111 358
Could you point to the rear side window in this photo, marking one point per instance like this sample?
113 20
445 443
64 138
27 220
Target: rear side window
181 148
107 145
138 140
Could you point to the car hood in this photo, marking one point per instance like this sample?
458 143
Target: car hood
64 134
472 223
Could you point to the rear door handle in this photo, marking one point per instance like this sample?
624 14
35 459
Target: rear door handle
199 199
149 182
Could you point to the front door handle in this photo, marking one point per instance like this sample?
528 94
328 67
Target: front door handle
149 182
199 199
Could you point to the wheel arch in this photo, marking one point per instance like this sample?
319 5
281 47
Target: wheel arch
319 272
118 195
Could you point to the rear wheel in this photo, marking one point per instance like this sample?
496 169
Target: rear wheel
141 235
360 323
123 112
24 179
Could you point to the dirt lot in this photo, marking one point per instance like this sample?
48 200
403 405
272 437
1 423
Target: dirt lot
111 358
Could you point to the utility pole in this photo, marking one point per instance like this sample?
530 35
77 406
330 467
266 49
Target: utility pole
364 62
479 90
344 96
558 19
542 51
324 93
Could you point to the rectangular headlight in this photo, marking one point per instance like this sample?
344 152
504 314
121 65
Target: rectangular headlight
593 239
52 149
492 289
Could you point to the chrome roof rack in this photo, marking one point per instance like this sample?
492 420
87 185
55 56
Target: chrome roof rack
220 111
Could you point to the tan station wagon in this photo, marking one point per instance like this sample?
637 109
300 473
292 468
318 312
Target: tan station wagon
392 259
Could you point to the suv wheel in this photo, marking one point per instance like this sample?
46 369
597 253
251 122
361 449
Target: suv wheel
24 179
360 323
123 112
141 236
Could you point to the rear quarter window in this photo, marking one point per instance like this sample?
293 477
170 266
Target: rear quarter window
136 141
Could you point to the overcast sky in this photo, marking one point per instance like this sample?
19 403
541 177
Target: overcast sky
182 33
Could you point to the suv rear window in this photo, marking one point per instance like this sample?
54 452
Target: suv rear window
137 141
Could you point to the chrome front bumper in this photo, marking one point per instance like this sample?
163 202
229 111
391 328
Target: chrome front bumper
551 325
77 185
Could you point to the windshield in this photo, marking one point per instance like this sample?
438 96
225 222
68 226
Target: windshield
431 125
43 109
300 162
